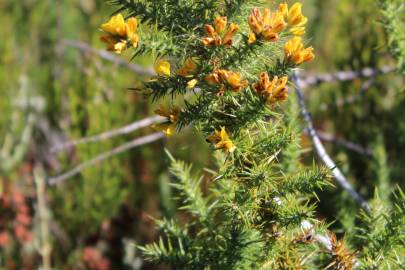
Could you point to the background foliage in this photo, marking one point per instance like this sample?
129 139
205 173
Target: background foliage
50 92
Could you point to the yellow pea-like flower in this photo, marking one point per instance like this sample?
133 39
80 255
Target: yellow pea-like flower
119 35
270 35
115 26
295 52
232 79
220 24
283 9
279 91
251 38
295 16
119 47
222 140
265 25
228 37
212 79
226 80
162 67
298 31
192 83
273 91
219 34
114 45
131 28
255 21
296 20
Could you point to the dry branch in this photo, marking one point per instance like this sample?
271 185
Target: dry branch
307 80
118 150
111 133
45 248
321 151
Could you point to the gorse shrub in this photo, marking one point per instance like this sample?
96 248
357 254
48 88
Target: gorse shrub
226 65
394 22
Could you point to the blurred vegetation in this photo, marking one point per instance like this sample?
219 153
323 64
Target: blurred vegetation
51 92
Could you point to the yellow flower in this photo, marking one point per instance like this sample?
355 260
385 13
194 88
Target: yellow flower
283 9
162 67
295 16
213 37
212 78
295 52
296 20
132 27
220 24
116 26
231 79
192 83
265 25
255 21
251 38
219 34
222 140
274 91
188 68
279 92
113 44
298 31
172 115
228 37
119 35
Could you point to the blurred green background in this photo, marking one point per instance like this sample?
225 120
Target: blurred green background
52 91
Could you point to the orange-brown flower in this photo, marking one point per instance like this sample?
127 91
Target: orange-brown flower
120 34
222 140
188 67
295 52
227 79
219 34
233 79
342 258
265 25
274 91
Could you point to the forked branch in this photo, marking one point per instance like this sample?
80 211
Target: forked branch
321 151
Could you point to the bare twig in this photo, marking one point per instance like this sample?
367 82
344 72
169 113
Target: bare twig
307 80
118 150
346 144
320 149
112 133
108 56
43 216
